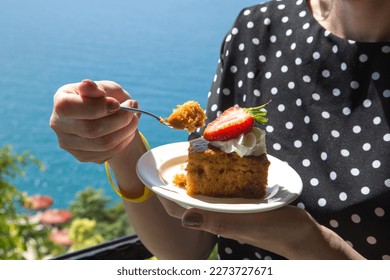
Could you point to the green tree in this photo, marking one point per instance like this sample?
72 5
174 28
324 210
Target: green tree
17 233
83 234
111 220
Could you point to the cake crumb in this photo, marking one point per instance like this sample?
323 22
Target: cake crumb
180 180
189 116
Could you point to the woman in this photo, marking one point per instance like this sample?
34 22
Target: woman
325 66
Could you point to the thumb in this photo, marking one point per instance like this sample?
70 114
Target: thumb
89 89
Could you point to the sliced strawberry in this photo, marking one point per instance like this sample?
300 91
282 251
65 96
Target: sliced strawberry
230 124
233 122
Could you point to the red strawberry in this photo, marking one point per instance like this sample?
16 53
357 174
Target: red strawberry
234 121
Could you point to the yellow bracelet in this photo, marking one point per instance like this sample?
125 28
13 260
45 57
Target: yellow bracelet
147 192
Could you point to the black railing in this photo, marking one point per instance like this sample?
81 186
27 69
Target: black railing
124 248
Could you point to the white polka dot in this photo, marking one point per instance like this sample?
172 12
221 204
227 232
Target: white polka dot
346 111
244 98
356 129
251 75
386 49
365 190
366 147
246 60
267 21
269 128
284 19
376 164
371 240
247 12
377 120
325 115
256 92
363 58
267 258
386 93
281 6
281 108
263 9
250 24
316 96
316 55
298 61
306 25
284 68
315 137
262 58
240 83
322 202
344 152
273 39
301 205
289 32
258 255
354 85
343 66
333 175
226 91
268 75
306 163
228 38
336 92
214 107
289 125
324 156
356 218
306 119
335 49
234 31
233 69
277 146
255 41
367 103
293 46
298 102
306 79
228 250
241 47
326 74
387 183
291 85
335 133
298 144
386 137
274 90
375 76
334 223
355 172
343 196
314 182
379 212
302 14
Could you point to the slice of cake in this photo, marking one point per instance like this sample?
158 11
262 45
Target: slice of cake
230 160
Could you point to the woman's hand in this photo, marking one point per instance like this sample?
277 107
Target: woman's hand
288 231
88 123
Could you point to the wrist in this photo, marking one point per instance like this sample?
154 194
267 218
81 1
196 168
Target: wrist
124 168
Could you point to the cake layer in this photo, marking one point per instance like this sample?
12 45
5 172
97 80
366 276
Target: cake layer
213 172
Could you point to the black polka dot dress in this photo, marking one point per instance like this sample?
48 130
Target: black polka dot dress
329 117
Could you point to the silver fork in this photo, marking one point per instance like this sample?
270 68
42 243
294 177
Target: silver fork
160 119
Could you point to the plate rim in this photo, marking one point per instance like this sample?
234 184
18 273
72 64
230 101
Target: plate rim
195 202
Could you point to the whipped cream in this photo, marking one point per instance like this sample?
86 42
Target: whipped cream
250 144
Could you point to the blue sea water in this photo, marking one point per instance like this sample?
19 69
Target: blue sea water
163 52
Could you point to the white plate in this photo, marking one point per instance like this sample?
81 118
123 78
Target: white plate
157 167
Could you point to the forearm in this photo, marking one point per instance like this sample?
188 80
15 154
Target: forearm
162 234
